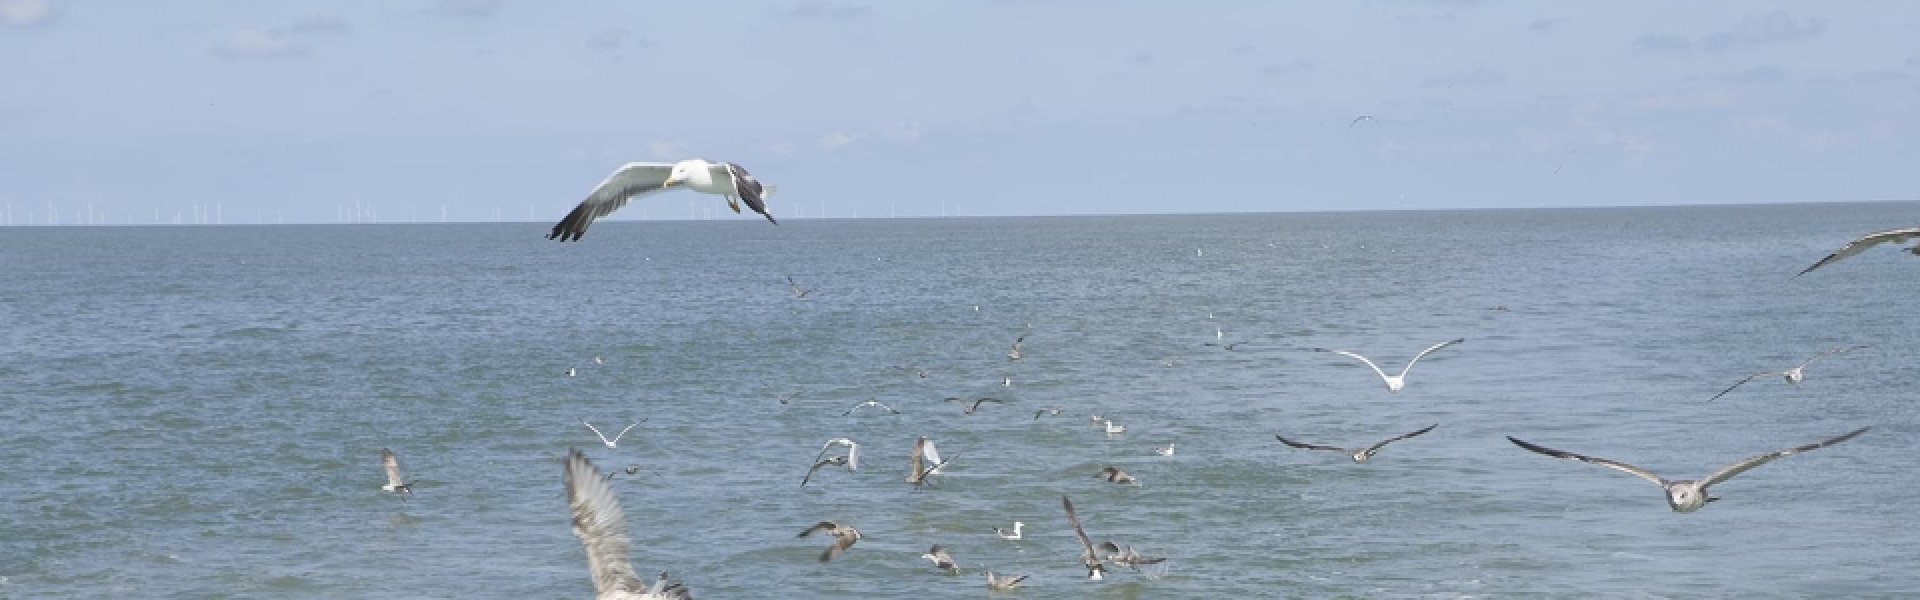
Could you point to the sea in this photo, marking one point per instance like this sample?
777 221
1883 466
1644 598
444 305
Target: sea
199 411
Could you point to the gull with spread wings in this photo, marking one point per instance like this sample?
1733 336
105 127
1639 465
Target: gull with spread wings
1686 495
1890 236
639 178
1793 375
1360 455
1394 382
602 529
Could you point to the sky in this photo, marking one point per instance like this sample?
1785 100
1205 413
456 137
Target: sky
480 110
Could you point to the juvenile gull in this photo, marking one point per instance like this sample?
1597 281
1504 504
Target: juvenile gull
1087 556
1792 375
797 291
941 559
836 460
638 178
1013 534
602 529
1395 382
394 483
1893 236
1360 455
869 403
1014 353
615 442
1127 556
1045 411
1686 495
843 538
1003 583
1115 475
968 408
925 462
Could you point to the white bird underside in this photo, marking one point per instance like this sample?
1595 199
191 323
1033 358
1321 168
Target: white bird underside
1893 236
853 452
639 178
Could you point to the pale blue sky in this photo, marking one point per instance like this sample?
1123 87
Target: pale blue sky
286 110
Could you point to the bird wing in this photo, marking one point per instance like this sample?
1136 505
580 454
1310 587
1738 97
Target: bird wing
1086 545
1429 350
393 466
1835 350
596 431
830 526
1729 471
1897 236
1376 447
815 468
1306 446
1376 368
919 455
840 544
1741 383
631 179
746 187
853 456
600 525
1611 464
623 432
933 454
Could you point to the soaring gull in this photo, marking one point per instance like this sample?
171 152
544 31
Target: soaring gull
1793 375
602 529
1894 236
1686 495
1360 455
394 484
844 537
614 443
637 178
1395 382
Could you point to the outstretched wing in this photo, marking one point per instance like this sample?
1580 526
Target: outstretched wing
1897 236
1835 350
1741 383
1086 545
1754 461
830 526
601 527
393 467
596 431
1611 464
1376 368
1429 350
748 188
1376 447
1306 446
631 179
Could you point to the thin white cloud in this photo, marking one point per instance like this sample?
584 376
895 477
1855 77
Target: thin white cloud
1469 78
1292 66
666 149
1759 74
254 43
824 9
837 140
1664 42
466 9
1773 27
26 13
1701 100
316 25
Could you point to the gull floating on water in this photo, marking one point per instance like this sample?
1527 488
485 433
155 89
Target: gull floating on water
1360 455
1006 382
602 529
844 537
1893 236
1013 534
615 442
572 371
1686 495
599 361
1792 375
1003 583
1115 475
1088 557
637 178
631 470
394 483
925 462
1166 450
1395 382
869 403
1113 428
797 291
941 559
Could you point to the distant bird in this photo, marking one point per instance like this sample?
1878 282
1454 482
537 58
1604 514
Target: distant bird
602 529
631 470
1096 419
916 371
832 461
1893 236
1792 375
784 397
1014 353
853 451
844 537
1127 556
1003 583
1113 428
869 403
1115 475
1006 382
968 408
1166 450
798 292
1045 411
1095 569
1359 119
1395 382
615 442
572 371
598 360
1227 346
1013 534
637 178
925 462
1360 455
941 559
394 483
1219 333
1686 495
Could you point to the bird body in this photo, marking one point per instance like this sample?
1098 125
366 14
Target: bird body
1166 450
1115 475
1095 568
1003 583
1014 534
941 559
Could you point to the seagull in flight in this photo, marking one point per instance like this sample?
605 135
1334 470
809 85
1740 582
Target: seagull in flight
1893 236
869 403
602 529
975 405
1359 119
798 292
1686 495
638 178
394 483
1360 455
1792 375
615 442
844 537
835 460
941 559
1088 557
916 371
925 463
1045 411
853 451
1395 382
1014 353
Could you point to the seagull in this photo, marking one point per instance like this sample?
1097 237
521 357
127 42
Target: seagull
1014 353
926 462
631 469
1087 556
615 442
1003 583
602 529
1113 428
1045 411
1115 475
975 405
1014 534
1006 382
1395 382
1166 450
1792 375
1360 455
1359 119
853 451
836 460
869 403
394 484
916 370
1128 557
1096 419
599 361
1686 495
638 178
1894 236
843 537
798 292
572 371
941 560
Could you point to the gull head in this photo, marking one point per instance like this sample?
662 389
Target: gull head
682 171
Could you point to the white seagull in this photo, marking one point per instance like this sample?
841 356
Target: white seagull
602 529
853 452
1395 382
394 483
615 442
1792 375
1013 534
1113 428
1686 495
637 178
1894 236
1360 455
869 403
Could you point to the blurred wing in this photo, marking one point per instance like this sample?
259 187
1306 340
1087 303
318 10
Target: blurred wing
601 527
853 456
746 187
1376 447
1429 350
1897 236
932 454
1757 460
828 525
1086 545
393 466
631 179
1376 368
1611 464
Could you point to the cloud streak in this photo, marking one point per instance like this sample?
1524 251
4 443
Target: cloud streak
827 10
1770 28
26 13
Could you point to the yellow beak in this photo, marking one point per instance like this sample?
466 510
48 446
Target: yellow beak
668 182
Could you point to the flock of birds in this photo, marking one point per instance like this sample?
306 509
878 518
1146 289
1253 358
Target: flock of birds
601 525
